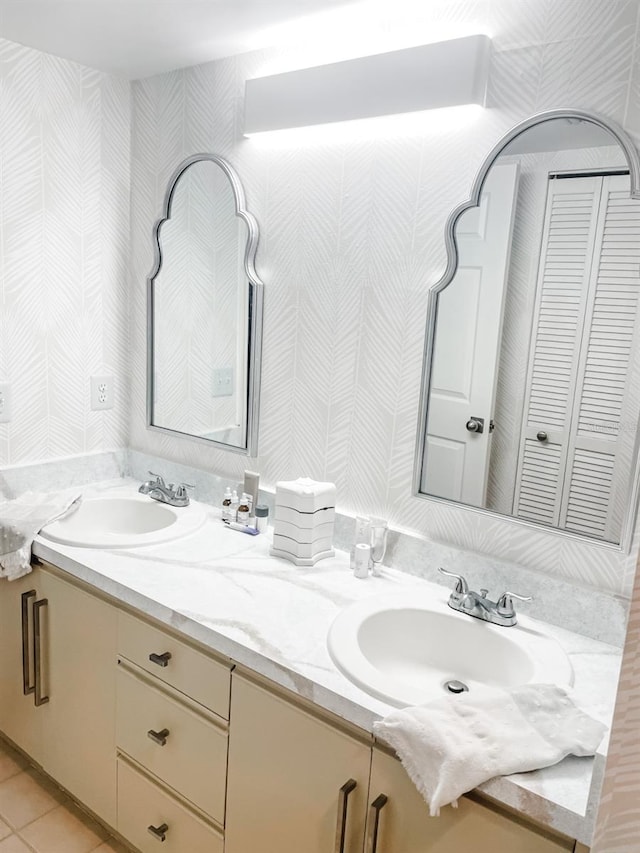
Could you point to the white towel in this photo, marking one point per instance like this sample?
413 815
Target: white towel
20 522
453 744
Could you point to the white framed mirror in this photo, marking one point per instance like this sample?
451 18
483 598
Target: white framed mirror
530 399
204 310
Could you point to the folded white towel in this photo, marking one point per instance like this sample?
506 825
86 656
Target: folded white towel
453 744
20 522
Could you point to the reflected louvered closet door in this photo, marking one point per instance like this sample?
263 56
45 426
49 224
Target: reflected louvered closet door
580 362
605 411
563 281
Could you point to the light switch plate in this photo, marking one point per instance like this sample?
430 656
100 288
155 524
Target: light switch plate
222 382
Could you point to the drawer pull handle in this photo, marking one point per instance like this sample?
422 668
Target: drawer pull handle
159 737
159 832
374 821
341 822
27 687
38 698
160 660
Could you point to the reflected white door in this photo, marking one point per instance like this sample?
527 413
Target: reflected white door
467 345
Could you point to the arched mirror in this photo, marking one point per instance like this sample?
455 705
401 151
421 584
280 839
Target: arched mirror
531 387
205 310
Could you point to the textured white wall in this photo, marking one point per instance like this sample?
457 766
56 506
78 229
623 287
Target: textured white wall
352 235
64 236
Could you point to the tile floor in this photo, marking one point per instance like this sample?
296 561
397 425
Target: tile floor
36 817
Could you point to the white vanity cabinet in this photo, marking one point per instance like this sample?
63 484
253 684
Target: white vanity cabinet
291 787
162 741
57 684
172 717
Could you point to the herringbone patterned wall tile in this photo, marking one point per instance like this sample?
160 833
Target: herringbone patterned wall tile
64 221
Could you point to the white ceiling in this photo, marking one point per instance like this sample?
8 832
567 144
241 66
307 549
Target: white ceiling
138 38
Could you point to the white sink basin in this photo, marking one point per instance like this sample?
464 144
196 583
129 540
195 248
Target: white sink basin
123 522
405 650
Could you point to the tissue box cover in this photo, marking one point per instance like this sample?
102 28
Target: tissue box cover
305 495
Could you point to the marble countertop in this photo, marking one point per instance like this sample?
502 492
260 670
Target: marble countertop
222 588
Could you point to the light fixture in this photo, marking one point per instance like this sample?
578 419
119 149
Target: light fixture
431 76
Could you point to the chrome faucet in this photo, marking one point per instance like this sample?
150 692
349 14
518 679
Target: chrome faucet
166 493
476 604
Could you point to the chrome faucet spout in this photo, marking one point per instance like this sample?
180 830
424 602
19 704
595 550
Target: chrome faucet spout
474 599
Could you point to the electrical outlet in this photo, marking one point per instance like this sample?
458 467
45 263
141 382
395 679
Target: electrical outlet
102 392
5 402
222 382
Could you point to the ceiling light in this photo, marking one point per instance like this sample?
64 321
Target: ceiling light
444 74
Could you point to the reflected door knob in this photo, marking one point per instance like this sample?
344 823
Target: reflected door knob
475 425
542 436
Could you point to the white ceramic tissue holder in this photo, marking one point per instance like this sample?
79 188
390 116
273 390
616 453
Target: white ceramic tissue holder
304 518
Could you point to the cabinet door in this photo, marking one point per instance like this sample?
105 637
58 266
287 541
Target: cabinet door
79 719
404 824
286 772
20 720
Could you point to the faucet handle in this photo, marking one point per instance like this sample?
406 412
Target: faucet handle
150 485
504 605
181 489
462 587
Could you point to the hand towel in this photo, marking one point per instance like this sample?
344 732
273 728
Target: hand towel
20 522
455 743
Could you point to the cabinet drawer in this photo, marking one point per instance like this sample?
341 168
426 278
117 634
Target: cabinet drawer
178 664
193 759
141 805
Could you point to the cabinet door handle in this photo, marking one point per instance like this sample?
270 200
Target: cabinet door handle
27 687
341 822
159 737
375 808
160 660
159 832
38 698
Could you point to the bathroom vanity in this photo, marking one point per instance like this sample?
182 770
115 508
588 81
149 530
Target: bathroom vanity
194 680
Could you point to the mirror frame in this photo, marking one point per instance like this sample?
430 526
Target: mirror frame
255 308
633 161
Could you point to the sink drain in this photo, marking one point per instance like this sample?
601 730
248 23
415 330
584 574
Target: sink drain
455 686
